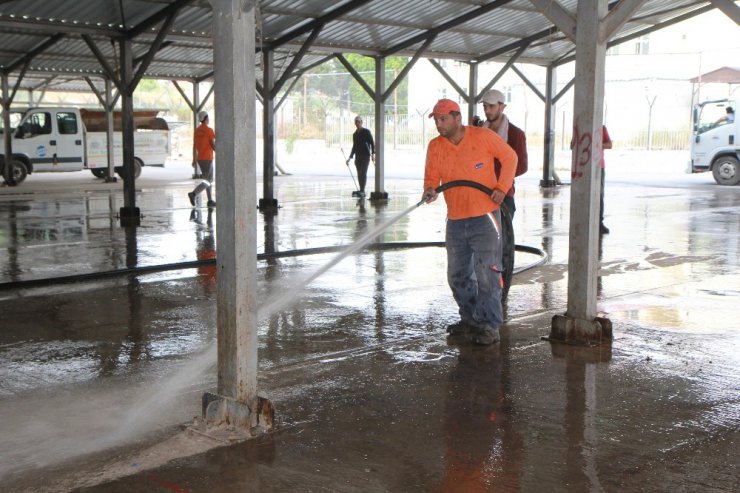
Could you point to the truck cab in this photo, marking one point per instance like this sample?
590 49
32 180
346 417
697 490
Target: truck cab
714 145
71 139
49 139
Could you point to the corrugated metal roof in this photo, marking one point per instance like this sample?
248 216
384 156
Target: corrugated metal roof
371 27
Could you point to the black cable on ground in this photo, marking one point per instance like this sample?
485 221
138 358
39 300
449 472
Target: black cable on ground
30 283
149 269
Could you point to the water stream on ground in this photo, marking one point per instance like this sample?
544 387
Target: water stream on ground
116 417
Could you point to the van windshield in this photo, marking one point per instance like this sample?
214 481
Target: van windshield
711 115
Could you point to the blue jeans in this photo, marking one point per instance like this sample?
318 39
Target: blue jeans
474 268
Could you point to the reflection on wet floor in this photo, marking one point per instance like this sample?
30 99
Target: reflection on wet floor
369 392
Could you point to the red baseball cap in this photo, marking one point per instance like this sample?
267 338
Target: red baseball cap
444 107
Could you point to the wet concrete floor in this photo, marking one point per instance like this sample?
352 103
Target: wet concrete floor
98 378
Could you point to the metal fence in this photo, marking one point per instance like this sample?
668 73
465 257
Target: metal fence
411 131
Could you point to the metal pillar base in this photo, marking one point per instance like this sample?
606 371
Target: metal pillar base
379 196
268 205
548 183
110 179
130 216
222 411
580 332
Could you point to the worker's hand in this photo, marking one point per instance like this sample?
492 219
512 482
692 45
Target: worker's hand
429 195
373 157
347 163
498 196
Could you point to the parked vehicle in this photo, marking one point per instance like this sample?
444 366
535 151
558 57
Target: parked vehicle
715 145
70 139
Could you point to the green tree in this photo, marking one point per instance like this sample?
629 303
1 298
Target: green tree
360 101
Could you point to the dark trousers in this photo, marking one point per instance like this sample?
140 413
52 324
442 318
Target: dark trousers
601 200
508 207
473 268
362 163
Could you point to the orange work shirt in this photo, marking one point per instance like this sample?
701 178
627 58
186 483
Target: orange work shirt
471 159
202 138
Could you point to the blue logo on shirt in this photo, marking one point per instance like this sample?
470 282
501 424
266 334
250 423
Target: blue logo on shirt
478 165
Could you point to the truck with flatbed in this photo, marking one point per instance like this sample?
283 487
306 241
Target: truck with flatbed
59 139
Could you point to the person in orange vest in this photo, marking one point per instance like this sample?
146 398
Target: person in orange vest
204 143
473 234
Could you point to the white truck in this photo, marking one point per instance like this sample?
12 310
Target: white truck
71 139
715 146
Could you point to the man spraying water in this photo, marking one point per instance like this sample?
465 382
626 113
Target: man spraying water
473 236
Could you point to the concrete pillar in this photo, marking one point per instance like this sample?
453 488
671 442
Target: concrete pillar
268 201
579 324
234 45
379 137
548 158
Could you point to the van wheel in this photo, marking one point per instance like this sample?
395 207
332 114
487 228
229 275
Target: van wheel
99 172
726 170
138 163
16 174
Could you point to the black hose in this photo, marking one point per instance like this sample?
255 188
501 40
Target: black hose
147 269
464 183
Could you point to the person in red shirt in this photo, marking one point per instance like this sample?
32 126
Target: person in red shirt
204 143
493 107
473 233
606 143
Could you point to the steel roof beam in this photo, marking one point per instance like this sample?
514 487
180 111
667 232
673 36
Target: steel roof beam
730 9
645 31
287 73
354 73
618 17
107 69
503 70
319 21
35 51
167 12
524 42
30 27
443 27
529 84
447 77
408 67
564 20
154 48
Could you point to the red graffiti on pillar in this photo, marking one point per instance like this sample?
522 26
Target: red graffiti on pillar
582 149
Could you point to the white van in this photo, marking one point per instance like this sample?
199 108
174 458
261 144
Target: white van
69 139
